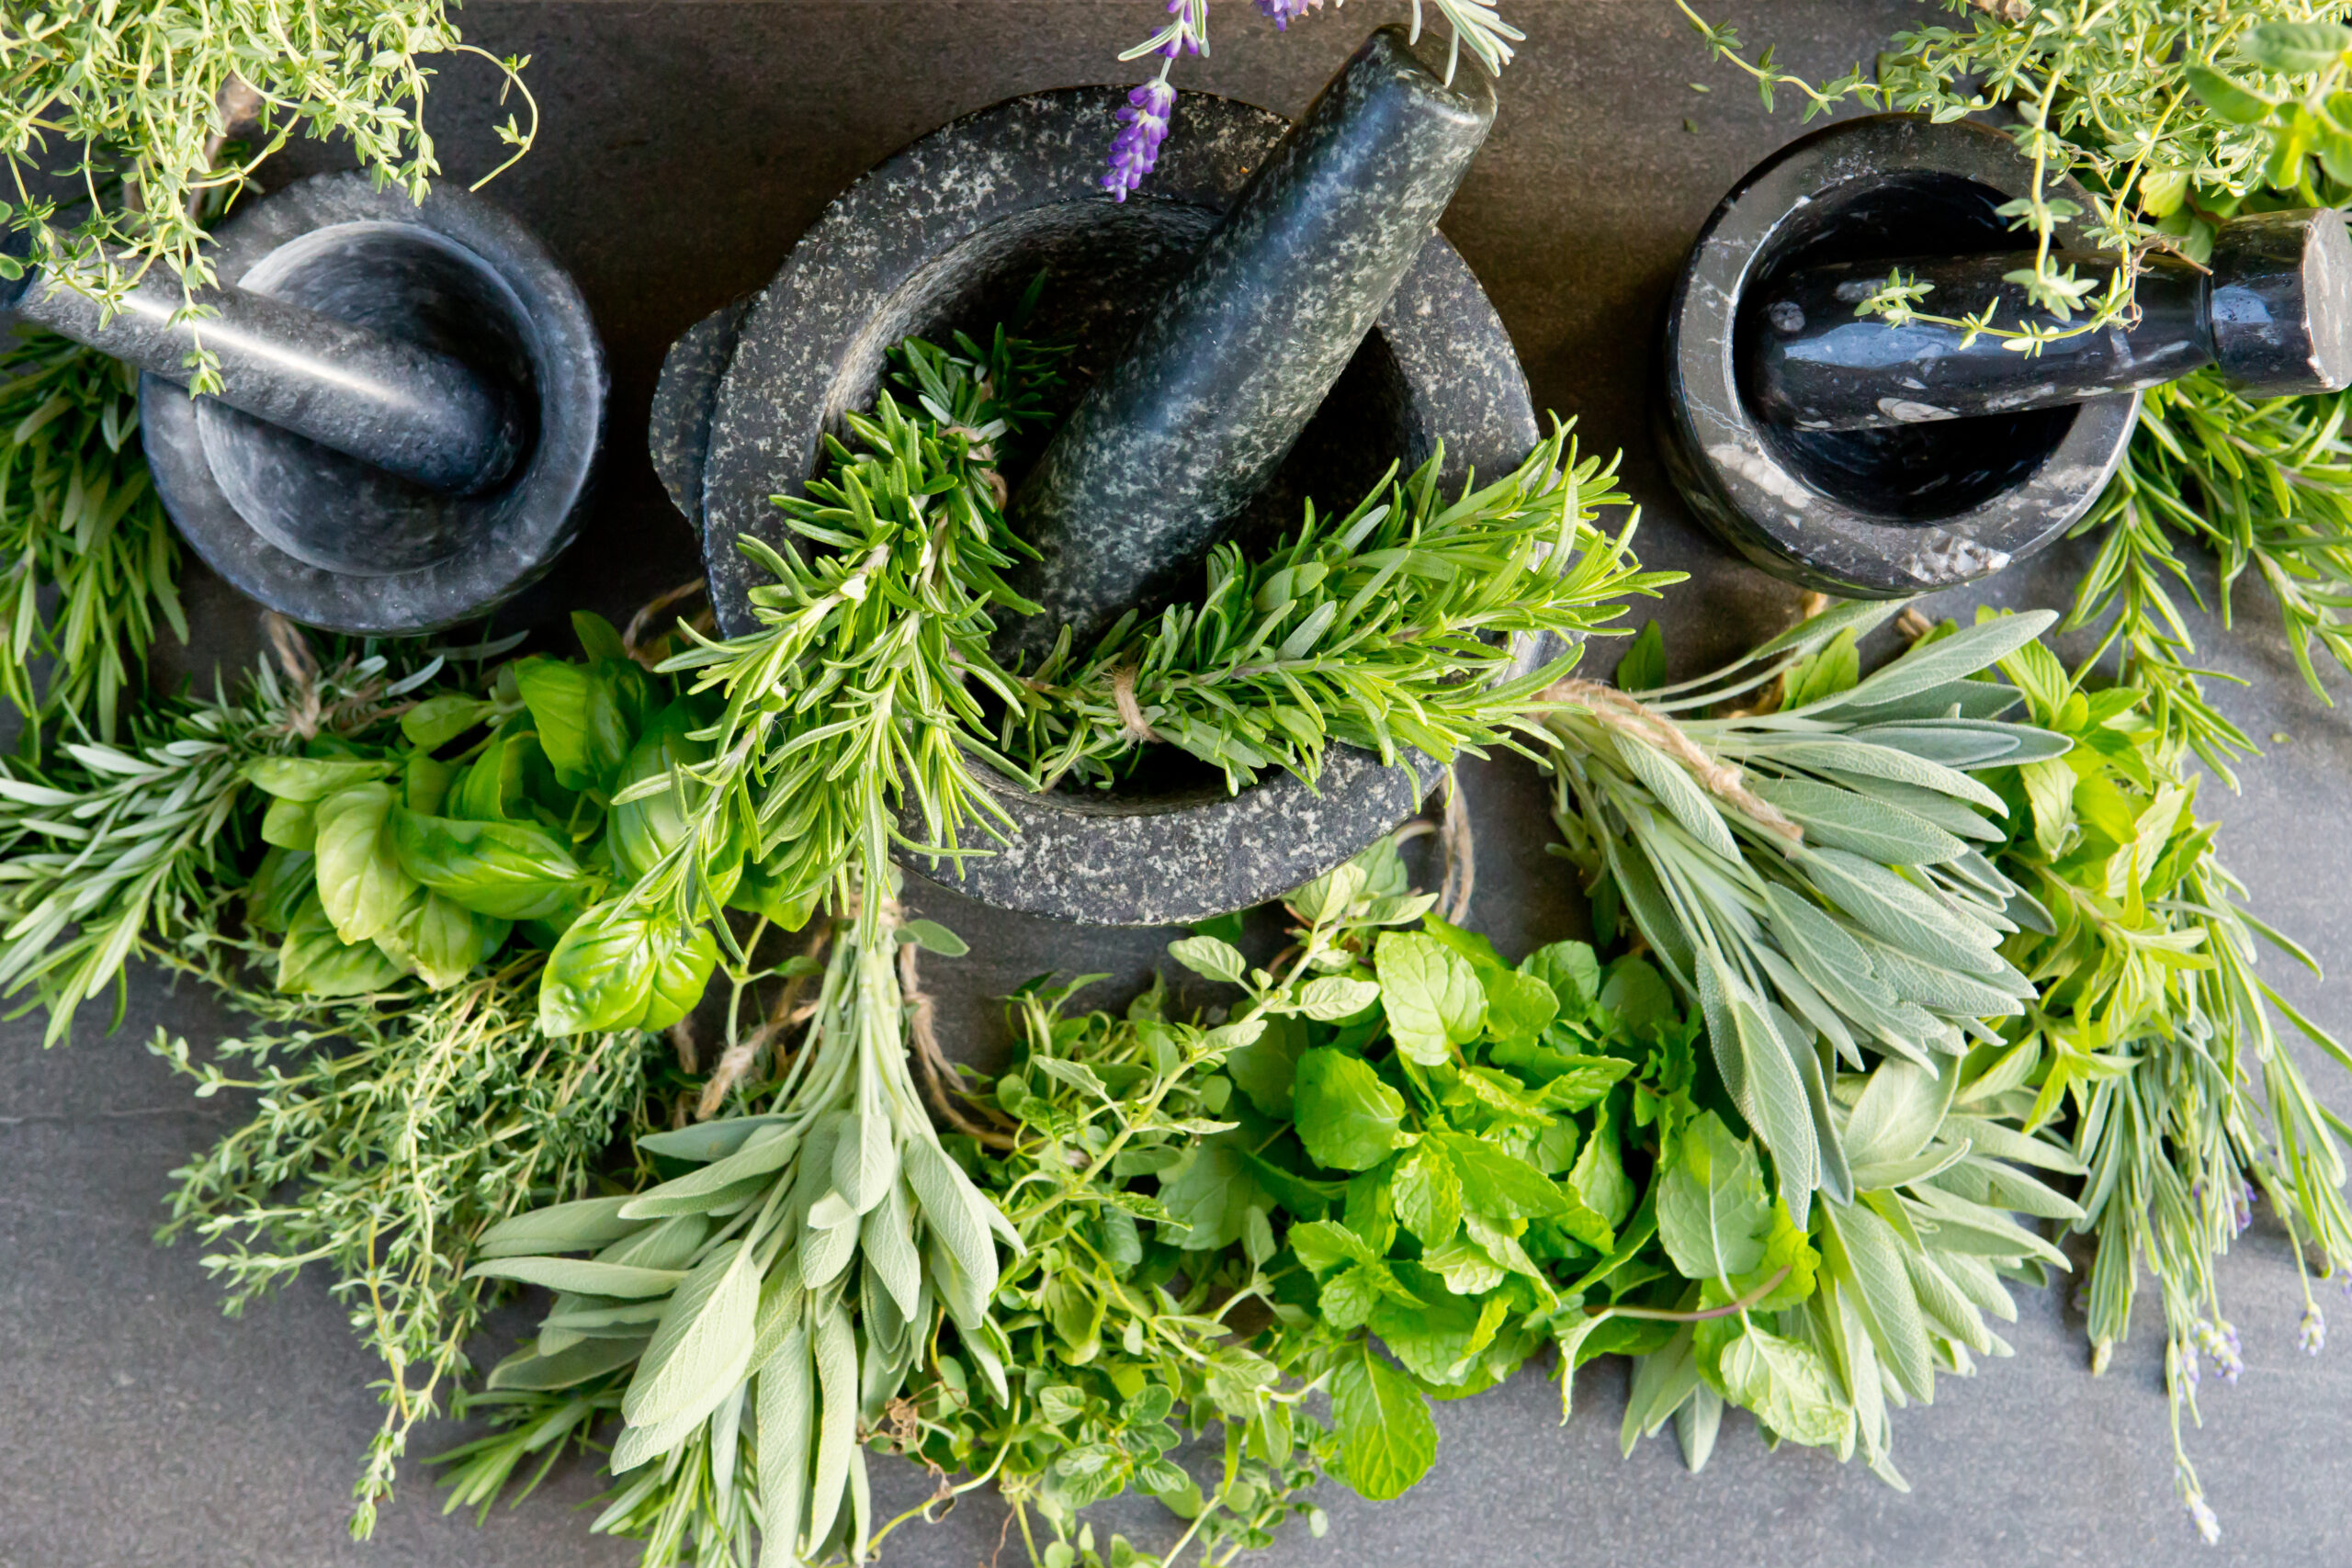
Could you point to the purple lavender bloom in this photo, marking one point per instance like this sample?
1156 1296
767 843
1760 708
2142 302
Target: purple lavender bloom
1185 38
2219 1341
1143 127
1286 12
2311 1334
2191 1369
2208 1525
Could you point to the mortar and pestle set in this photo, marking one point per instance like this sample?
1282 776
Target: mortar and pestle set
411 396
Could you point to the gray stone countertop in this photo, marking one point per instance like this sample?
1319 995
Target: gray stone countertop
684 146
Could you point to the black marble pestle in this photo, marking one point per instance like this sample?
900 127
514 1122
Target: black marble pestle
1207 401
2272 311
404 408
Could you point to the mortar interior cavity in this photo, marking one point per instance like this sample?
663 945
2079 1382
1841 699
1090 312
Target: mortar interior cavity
1106 265
335 511
1916 473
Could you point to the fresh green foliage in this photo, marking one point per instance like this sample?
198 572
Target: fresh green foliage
388 1134
424 849
1388 626
2135 99
2267 487
2177 117
134 98
108 852
2152 1031
1810 876
79 519
793 1273
857 715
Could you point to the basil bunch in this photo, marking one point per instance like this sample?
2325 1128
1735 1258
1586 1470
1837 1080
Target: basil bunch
391 859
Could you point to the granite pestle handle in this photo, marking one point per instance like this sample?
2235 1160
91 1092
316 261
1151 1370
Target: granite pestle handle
2273 310
1200 411
408 410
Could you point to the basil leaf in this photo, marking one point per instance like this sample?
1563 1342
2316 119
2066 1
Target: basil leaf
1430 994
511 870
587 717
1210 957
426 783
434 722
290 825
360 880
441 942
645 831
1386 1439
1347 1118
281 881
314 961
310 779
620 968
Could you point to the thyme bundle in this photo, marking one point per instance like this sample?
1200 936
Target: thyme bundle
134 100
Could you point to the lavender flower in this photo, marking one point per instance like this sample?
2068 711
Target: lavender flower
2312 1332
2243 1214
2191 1369
1284 12
2208 1523
1143 127
2219 1341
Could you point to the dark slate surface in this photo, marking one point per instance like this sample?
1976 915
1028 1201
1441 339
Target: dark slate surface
684 146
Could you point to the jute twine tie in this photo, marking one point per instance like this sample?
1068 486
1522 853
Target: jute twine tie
1133 726
1629 716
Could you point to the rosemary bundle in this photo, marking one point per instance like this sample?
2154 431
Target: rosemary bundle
79 520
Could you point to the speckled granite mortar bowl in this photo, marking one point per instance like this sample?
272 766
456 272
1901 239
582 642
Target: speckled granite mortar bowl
326 539
947 235
1870 513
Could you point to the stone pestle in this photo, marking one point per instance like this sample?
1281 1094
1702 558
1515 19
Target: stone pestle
2272 311
1185 428
409 408
398 405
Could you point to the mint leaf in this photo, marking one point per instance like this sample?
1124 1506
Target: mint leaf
1347 1118
1712 1211
1599 1178
1210 956
1500 1184
1788 1386
1571 971
1519 1007
1428 1193
1430 994
1386 1439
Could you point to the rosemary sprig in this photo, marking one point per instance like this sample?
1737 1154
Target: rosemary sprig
79 519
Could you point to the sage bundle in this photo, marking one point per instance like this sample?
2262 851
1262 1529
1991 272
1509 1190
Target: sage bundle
1811 876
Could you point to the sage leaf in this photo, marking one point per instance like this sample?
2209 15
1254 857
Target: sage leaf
703 1346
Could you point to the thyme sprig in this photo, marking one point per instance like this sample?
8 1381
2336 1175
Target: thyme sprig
130 102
